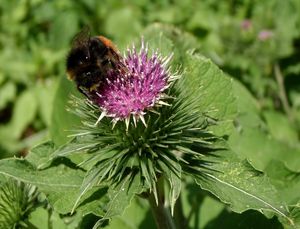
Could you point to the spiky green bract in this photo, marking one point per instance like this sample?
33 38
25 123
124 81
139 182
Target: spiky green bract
16 202
173 141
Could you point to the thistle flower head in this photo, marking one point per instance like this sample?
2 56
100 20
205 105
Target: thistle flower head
138 88
246 24
265 35
162 146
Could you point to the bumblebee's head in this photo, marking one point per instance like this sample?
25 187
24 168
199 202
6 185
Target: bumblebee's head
82 68
77 58
86 54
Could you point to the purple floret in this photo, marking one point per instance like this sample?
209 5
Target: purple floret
134 91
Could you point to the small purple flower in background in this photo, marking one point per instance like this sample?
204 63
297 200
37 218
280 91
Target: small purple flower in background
138 88
246 24
265 34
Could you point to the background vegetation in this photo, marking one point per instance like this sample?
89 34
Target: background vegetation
255 42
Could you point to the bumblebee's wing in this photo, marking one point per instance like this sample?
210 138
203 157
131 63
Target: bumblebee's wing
117 61
82 38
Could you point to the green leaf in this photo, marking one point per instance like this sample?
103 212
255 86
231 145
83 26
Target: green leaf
23 114
64 27
286 181
169 39
7 94
26 104
250 139
137 215
174 181
239 185
247 220
260 148
45 96
247 107
175 189
207 212
57 221
280 127
199 208
295 212
42 218
205 82
215 208
93 201
39 218
62 120
60 183
121 195
39 155
92 177
125 20
55 179
157 40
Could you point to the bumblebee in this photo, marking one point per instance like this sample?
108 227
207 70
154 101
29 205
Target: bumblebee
89 60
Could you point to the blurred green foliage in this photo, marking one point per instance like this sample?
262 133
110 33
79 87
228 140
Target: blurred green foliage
245 38
256 42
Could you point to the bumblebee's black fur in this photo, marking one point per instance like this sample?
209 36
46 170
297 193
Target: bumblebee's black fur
83 61
89 61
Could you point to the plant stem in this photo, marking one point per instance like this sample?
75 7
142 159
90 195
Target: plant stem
162 215
180 220
282 92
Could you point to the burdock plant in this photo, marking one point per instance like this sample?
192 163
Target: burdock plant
17 201
141 129
144 132
146 128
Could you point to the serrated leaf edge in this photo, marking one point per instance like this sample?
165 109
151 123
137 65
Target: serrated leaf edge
253 196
